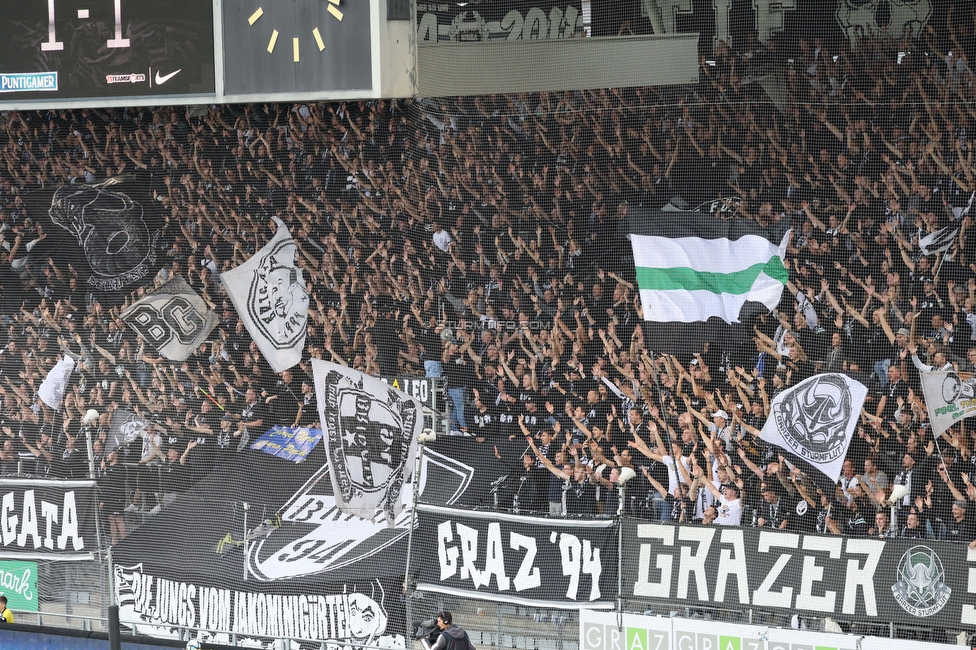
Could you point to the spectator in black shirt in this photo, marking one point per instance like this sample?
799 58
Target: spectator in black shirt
774 509
961 527
253 419
284 401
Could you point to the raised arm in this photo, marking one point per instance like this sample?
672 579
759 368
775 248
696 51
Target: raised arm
655 483
545 461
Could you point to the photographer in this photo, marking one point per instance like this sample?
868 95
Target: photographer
451 636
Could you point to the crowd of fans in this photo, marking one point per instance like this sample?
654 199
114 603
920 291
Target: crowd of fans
476 239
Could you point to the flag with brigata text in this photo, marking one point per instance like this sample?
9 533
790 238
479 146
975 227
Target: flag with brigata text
269 293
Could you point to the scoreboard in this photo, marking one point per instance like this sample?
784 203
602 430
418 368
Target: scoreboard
71 49
72 53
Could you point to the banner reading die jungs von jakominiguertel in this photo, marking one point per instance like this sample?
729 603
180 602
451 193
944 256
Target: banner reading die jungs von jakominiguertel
896 580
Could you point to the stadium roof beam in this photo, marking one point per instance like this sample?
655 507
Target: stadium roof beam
445 69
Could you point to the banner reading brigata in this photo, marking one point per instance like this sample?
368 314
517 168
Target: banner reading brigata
47 519
552 562
865 579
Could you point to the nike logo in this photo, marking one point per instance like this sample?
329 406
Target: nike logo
161 79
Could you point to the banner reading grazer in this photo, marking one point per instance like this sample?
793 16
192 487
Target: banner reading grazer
893 580
47 519
550 562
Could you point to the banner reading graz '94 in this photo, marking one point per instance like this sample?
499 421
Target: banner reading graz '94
498 20
867 579
47 519
549 562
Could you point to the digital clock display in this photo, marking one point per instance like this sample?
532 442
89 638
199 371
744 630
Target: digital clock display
60 49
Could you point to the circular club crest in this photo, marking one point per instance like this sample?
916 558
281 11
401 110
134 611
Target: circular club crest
813 419
920 588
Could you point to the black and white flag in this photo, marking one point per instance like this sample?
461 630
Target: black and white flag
51 391
111 228
948 398
127 427
173 319
269 294
938 241
370 432
815 420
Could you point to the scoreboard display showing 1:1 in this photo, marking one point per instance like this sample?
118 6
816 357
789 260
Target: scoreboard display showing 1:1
60 49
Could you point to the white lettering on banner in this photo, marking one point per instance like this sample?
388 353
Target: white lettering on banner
694 563
18 584
419 388
495 558
25 530
528 576
862 577
644 586
729 565
657 558
345 618
8 520
447 555
29 526
769 16
763 595
471 26
813 573
578 557
723 23
469 554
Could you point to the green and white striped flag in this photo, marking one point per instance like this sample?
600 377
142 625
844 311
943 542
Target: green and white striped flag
692 267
